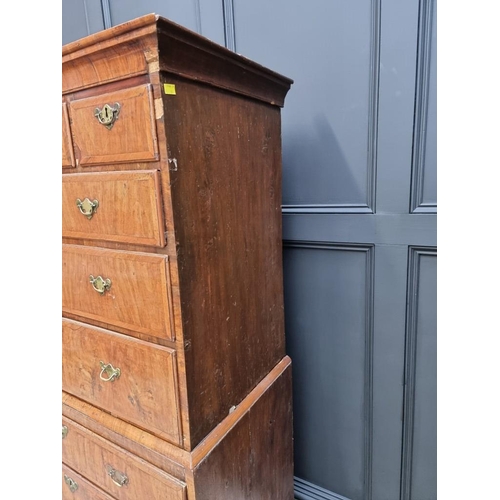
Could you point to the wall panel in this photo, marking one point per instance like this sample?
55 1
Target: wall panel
186 12
80 18
331 49
424 164
328 310
419 461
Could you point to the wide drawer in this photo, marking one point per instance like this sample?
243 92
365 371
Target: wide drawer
127 377
113 206
126 289
123 475
68 159
75 487
115 127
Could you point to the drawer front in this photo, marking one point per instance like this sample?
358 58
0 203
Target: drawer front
119 473
113 206
68 159
75 487
129 378
115 127
129 289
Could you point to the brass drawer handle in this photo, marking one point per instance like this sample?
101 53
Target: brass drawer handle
99 284
64 431
119 478
87 207
111 372
107 115
72 484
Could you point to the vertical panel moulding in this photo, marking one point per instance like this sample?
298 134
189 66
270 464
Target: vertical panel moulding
303 488
87 22
106 14
424 46
211 20
229 30
369 206
373 105
197 15
414 256
370 299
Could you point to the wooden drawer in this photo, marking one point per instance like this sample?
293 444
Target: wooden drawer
128 207
105 464
68 158
138 297
75 487
131 137
145 391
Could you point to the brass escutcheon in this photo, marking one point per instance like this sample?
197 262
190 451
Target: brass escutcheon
107 115
64 431
119 478
87 207
72 485
111 372
99 284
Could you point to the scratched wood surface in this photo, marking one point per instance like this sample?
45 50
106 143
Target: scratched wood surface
254 461
226 195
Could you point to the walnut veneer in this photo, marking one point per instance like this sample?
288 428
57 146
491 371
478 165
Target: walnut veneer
175 380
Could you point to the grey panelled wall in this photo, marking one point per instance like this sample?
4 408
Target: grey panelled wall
359 224
424 192
419 429
84 17
331 342
81 18
329 143
359 166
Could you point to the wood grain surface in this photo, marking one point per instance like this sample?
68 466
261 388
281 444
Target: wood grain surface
145 393
138 298
85 490
130 207
226 196
108 58
188 230
92 456
254 461
139 442
128 49
132 136
248 455
68 157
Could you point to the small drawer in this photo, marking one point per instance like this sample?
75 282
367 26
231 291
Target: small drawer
129 378
114 206
115 127
75 487
118 472
68 158
126 289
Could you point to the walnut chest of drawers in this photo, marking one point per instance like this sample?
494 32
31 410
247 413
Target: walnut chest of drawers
175 381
